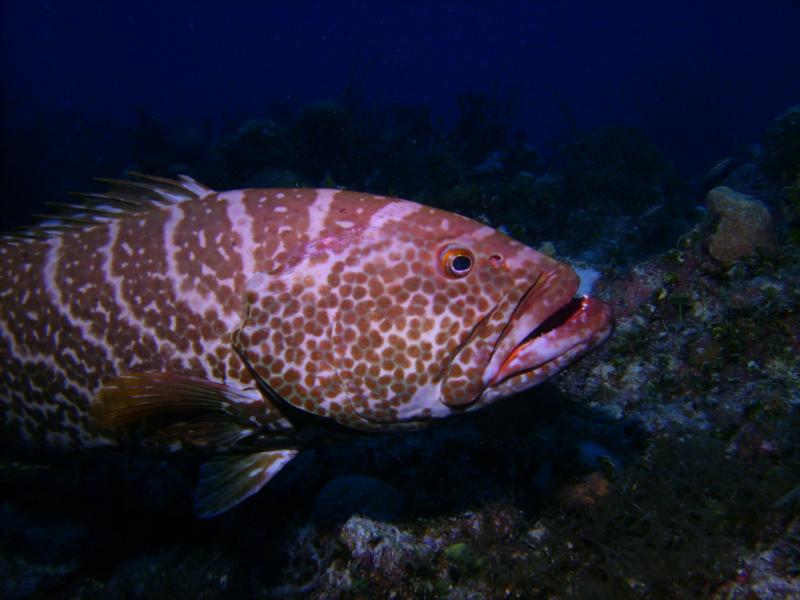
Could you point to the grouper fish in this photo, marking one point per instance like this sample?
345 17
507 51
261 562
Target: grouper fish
167 316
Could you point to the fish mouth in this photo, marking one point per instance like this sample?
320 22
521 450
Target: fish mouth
558 319
567 334
549 328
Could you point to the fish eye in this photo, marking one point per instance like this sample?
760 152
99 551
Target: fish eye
457 262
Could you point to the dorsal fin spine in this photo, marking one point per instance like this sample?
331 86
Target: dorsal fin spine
124 197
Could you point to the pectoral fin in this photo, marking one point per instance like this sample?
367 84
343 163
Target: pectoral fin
136 396
228 480
176 411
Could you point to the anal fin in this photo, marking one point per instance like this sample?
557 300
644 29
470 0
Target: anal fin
226 481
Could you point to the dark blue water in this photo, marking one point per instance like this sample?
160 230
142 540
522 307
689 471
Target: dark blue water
702 80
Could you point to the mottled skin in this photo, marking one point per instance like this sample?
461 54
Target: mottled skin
348 305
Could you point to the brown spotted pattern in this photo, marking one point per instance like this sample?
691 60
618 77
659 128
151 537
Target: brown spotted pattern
339 300
365 326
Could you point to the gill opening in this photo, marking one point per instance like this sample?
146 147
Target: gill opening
510 321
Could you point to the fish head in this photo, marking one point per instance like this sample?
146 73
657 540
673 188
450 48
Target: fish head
419 313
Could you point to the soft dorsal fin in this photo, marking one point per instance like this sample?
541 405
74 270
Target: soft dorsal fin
123 197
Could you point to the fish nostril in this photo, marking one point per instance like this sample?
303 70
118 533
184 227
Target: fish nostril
496 260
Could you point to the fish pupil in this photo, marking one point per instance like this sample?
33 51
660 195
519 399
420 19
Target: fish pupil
461 263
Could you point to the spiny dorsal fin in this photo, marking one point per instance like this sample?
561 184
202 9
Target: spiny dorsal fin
149 190
228 480
122 198
184 182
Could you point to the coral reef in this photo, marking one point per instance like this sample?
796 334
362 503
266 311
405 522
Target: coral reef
791 209
744 226
256 145
781 155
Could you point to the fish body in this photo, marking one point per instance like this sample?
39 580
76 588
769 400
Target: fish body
233 322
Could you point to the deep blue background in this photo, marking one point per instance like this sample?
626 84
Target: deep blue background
701 78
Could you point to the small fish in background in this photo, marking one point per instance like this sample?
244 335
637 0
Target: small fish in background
240 324
649 212
743 174
718 170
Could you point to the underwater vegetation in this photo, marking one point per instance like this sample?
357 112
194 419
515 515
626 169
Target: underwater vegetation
665 465
617 185
781 146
